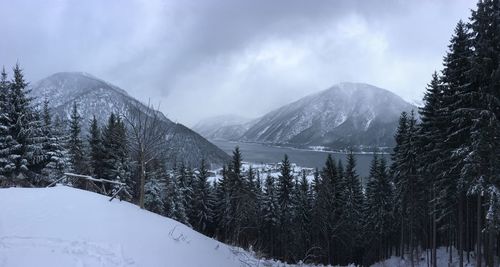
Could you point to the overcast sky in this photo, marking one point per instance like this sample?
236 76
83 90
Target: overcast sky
211 57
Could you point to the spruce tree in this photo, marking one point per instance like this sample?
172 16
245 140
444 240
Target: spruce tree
7 142
284 192
96 149
222 206
54 147
351 218
177 204
378 216
329 205
270 215
20 116
302 216
409 186
153 200
75 144
457 65
203 200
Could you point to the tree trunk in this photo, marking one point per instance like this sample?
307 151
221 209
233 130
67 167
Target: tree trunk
491 240
434 227
461 230
402 239
478 231
143 181
467 229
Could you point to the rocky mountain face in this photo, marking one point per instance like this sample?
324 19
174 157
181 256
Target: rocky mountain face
347 115
96 97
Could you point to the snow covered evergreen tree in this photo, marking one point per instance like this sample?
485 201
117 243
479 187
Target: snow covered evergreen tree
409 187
7 142
203 201
96 149
302 216
153 200
57 154
116 160
378 210
75 144
328 209
270 215
20 116
177 208
284 189
352 211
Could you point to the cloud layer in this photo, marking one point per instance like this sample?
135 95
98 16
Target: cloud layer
204 58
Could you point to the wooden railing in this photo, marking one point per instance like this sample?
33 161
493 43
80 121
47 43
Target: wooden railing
92 181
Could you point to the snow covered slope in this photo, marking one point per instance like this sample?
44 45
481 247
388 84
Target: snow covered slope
347 114
223 127
96 97
63 226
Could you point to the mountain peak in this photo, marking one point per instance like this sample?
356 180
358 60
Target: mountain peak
344 115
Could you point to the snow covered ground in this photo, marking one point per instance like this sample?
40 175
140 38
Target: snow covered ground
63 226
442 257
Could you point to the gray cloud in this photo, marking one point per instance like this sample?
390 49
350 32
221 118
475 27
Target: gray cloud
203 58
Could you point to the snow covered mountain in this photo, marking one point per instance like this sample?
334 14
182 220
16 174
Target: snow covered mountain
347 114
96 97
63 226
224 127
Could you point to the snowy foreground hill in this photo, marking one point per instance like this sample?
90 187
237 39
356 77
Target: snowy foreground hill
63 226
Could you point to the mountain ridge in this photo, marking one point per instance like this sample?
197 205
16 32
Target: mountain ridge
346 115
96 97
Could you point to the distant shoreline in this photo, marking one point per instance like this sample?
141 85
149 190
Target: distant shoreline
305 149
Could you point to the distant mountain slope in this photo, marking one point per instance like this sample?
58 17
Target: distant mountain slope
347 114
98 98
224 127
63 226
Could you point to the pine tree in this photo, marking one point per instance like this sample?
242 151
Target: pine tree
20 115
351 218
222 205
75 144
57 154
7 143
456 79
439 191
96 149
153 200
203 201
116 161
185 194
378 221
250 207
408 182
270 215
284 192
177 207
302 216
328 210
235 197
